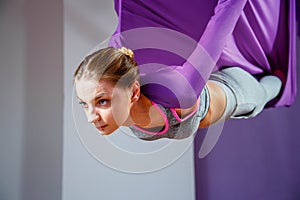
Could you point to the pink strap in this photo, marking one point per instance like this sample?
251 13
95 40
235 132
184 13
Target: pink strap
156 133
186 117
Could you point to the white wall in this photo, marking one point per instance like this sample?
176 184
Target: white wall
86 24
31 99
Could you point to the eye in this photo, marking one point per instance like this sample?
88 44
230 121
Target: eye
83 104
103 102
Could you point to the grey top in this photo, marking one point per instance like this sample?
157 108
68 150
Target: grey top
176 128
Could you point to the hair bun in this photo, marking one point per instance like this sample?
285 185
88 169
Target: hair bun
126 51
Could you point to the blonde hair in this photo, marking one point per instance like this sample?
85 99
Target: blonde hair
116 65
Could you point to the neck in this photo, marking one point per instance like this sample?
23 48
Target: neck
140 111
143 114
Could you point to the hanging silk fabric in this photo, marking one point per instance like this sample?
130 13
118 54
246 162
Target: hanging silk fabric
178 44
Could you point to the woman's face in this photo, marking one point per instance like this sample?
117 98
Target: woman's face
106 106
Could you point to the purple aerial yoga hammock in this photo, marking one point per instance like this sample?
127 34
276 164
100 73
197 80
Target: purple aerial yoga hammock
178 44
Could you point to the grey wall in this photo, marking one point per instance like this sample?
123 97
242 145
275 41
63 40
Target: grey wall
86 24
31 99
12 96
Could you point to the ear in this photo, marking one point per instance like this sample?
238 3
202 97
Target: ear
135 91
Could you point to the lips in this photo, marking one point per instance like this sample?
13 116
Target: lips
101 128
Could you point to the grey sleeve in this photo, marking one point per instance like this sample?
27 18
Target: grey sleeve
204 103
246 96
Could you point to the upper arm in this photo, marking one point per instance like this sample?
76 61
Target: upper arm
172 86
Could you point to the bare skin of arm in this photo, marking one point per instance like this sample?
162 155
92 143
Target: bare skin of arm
216 108
217 105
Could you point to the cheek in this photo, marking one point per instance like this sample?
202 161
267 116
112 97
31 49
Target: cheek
121 105
120 112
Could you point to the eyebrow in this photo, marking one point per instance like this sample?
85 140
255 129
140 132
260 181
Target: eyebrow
79 99
97 96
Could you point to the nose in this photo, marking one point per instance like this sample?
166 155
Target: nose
93 116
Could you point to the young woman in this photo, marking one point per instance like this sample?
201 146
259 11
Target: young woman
107 84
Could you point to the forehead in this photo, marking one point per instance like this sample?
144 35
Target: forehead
87 89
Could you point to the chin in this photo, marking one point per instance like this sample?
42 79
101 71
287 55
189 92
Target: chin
105 132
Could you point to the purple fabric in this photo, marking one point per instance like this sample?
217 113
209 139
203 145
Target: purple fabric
298 16
187 41
253 159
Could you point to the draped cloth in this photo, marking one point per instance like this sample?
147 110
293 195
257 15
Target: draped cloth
178 44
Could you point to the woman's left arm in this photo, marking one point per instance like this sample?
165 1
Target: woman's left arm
217 105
